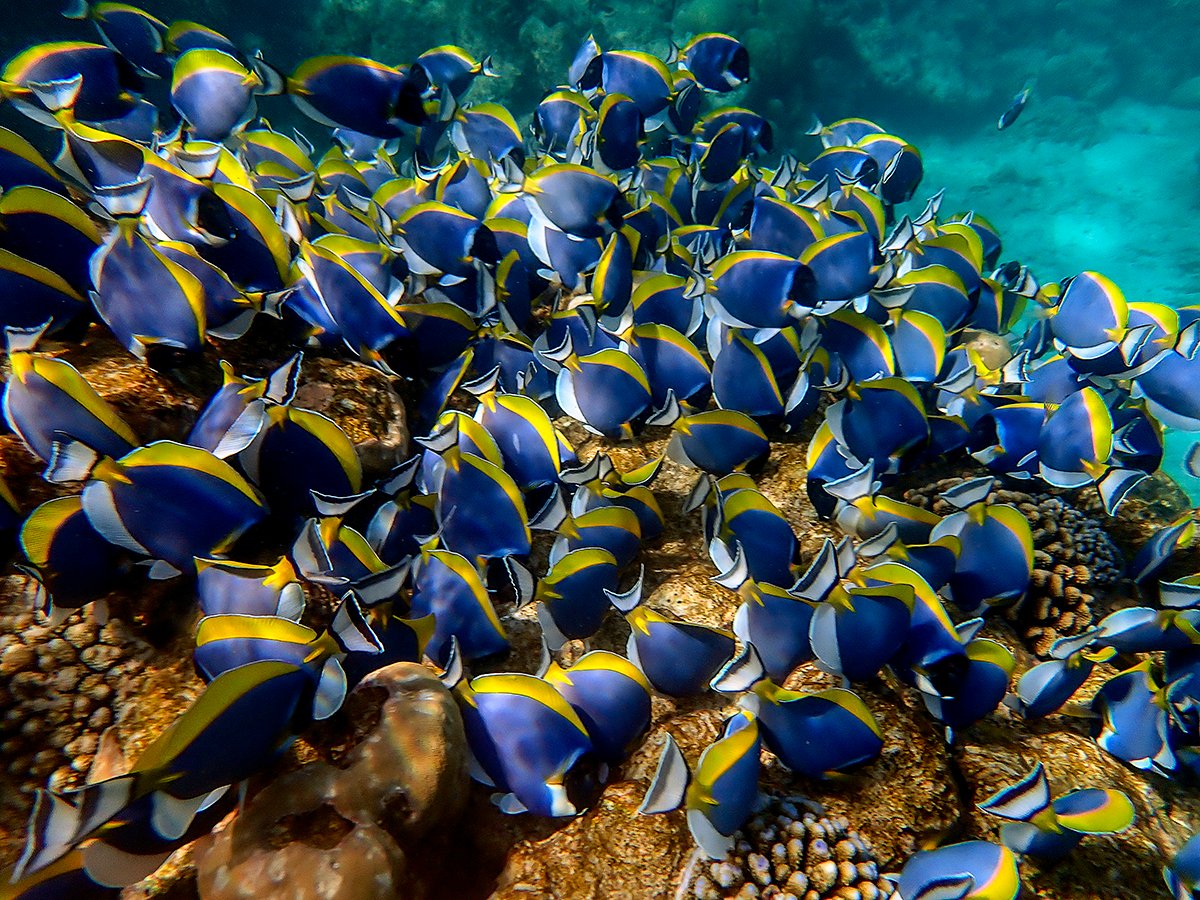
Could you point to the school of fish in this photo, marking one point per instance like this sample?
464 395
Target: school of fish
630 260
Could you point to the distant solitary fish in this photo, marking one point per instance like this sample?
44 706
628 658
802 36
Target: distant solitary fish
1014 109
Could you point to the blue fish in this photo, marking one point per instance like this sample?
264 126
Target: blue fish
1046 687
1182 873
71 563
252 711
1133 723
612 528
361 94
227 587
679 658
574 594
815 735
528 742
721 795
1014 108
214 92
971 870
1050 829
720 63
165 501
449 586
612 698
46 398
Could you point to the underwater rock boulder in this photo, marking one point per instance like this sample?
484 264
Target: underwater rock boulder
359 822
363 403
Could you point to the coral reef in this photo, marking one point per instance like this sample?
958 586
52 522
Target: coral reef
1076 564
60 689
791 850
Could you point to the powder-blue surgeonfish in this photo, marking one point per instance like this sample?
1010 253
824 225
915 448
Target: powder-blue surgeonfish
480 508
1048 686
69 561
673 365
453 68
1182 872
297 451
604 390
242 721
1014 108
184 35
166 501
559 123
105 84
747 522
933 651
612 528
31 295
718 62
366 322
863 511
612 698
777 624
1076 442
234 415
720 796
214 92
856 421
22 165
995 560
816 735
842 265
48 230
1166 388
662 299
528 743
716 441
126 269
361 94
574 594
971 870
679 658
856 629
135 34
228 641
46 398
1050 829
1092 316
573 198
228 587
1161 546
531 447
980 688
617 134
760 289
861 344
449 586
743 378
1132 722
643 78
1144 629
1006 438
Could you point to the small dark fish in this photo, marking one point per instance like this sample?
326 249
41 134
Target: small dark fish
1014 109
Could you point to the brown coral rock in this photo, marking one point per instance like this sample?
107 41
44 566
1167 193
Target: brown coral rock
358 825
